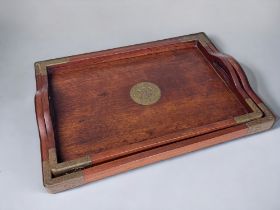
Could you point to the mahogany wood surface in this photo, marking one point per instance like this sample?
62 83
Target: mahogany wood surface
94 112
90 127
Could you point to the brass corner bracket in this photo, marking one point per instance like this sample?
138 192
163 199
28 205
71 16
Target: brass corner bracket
58 184
41 66
58 169
263 123
202 37
257 113
61 176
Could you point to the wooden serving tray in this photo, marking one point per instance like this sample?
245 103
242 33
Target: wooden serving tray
107 112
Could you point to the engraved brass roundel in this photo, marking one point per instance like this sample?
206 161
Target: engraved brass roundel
145 93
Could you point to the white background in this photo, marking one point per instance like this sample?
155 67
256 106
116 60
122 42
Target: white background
242 174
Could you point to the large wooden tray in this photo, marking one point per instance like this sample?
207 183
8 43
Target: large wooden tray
107 112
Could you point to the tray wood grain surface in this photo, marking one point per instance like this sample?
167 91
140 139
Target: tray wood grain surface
91 125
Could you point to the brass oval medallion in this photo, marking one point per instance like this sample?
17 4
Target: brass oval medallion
145 93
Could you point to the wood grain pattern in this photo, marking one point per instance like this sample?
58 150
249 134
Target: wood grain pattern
84 109
105 118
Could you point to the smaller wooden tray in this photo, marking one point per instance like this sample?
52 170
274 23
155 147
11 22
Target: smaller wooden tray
107 112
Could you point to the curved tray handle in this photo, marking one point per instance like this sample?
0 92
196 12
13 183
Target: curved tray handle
222 63
233 73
